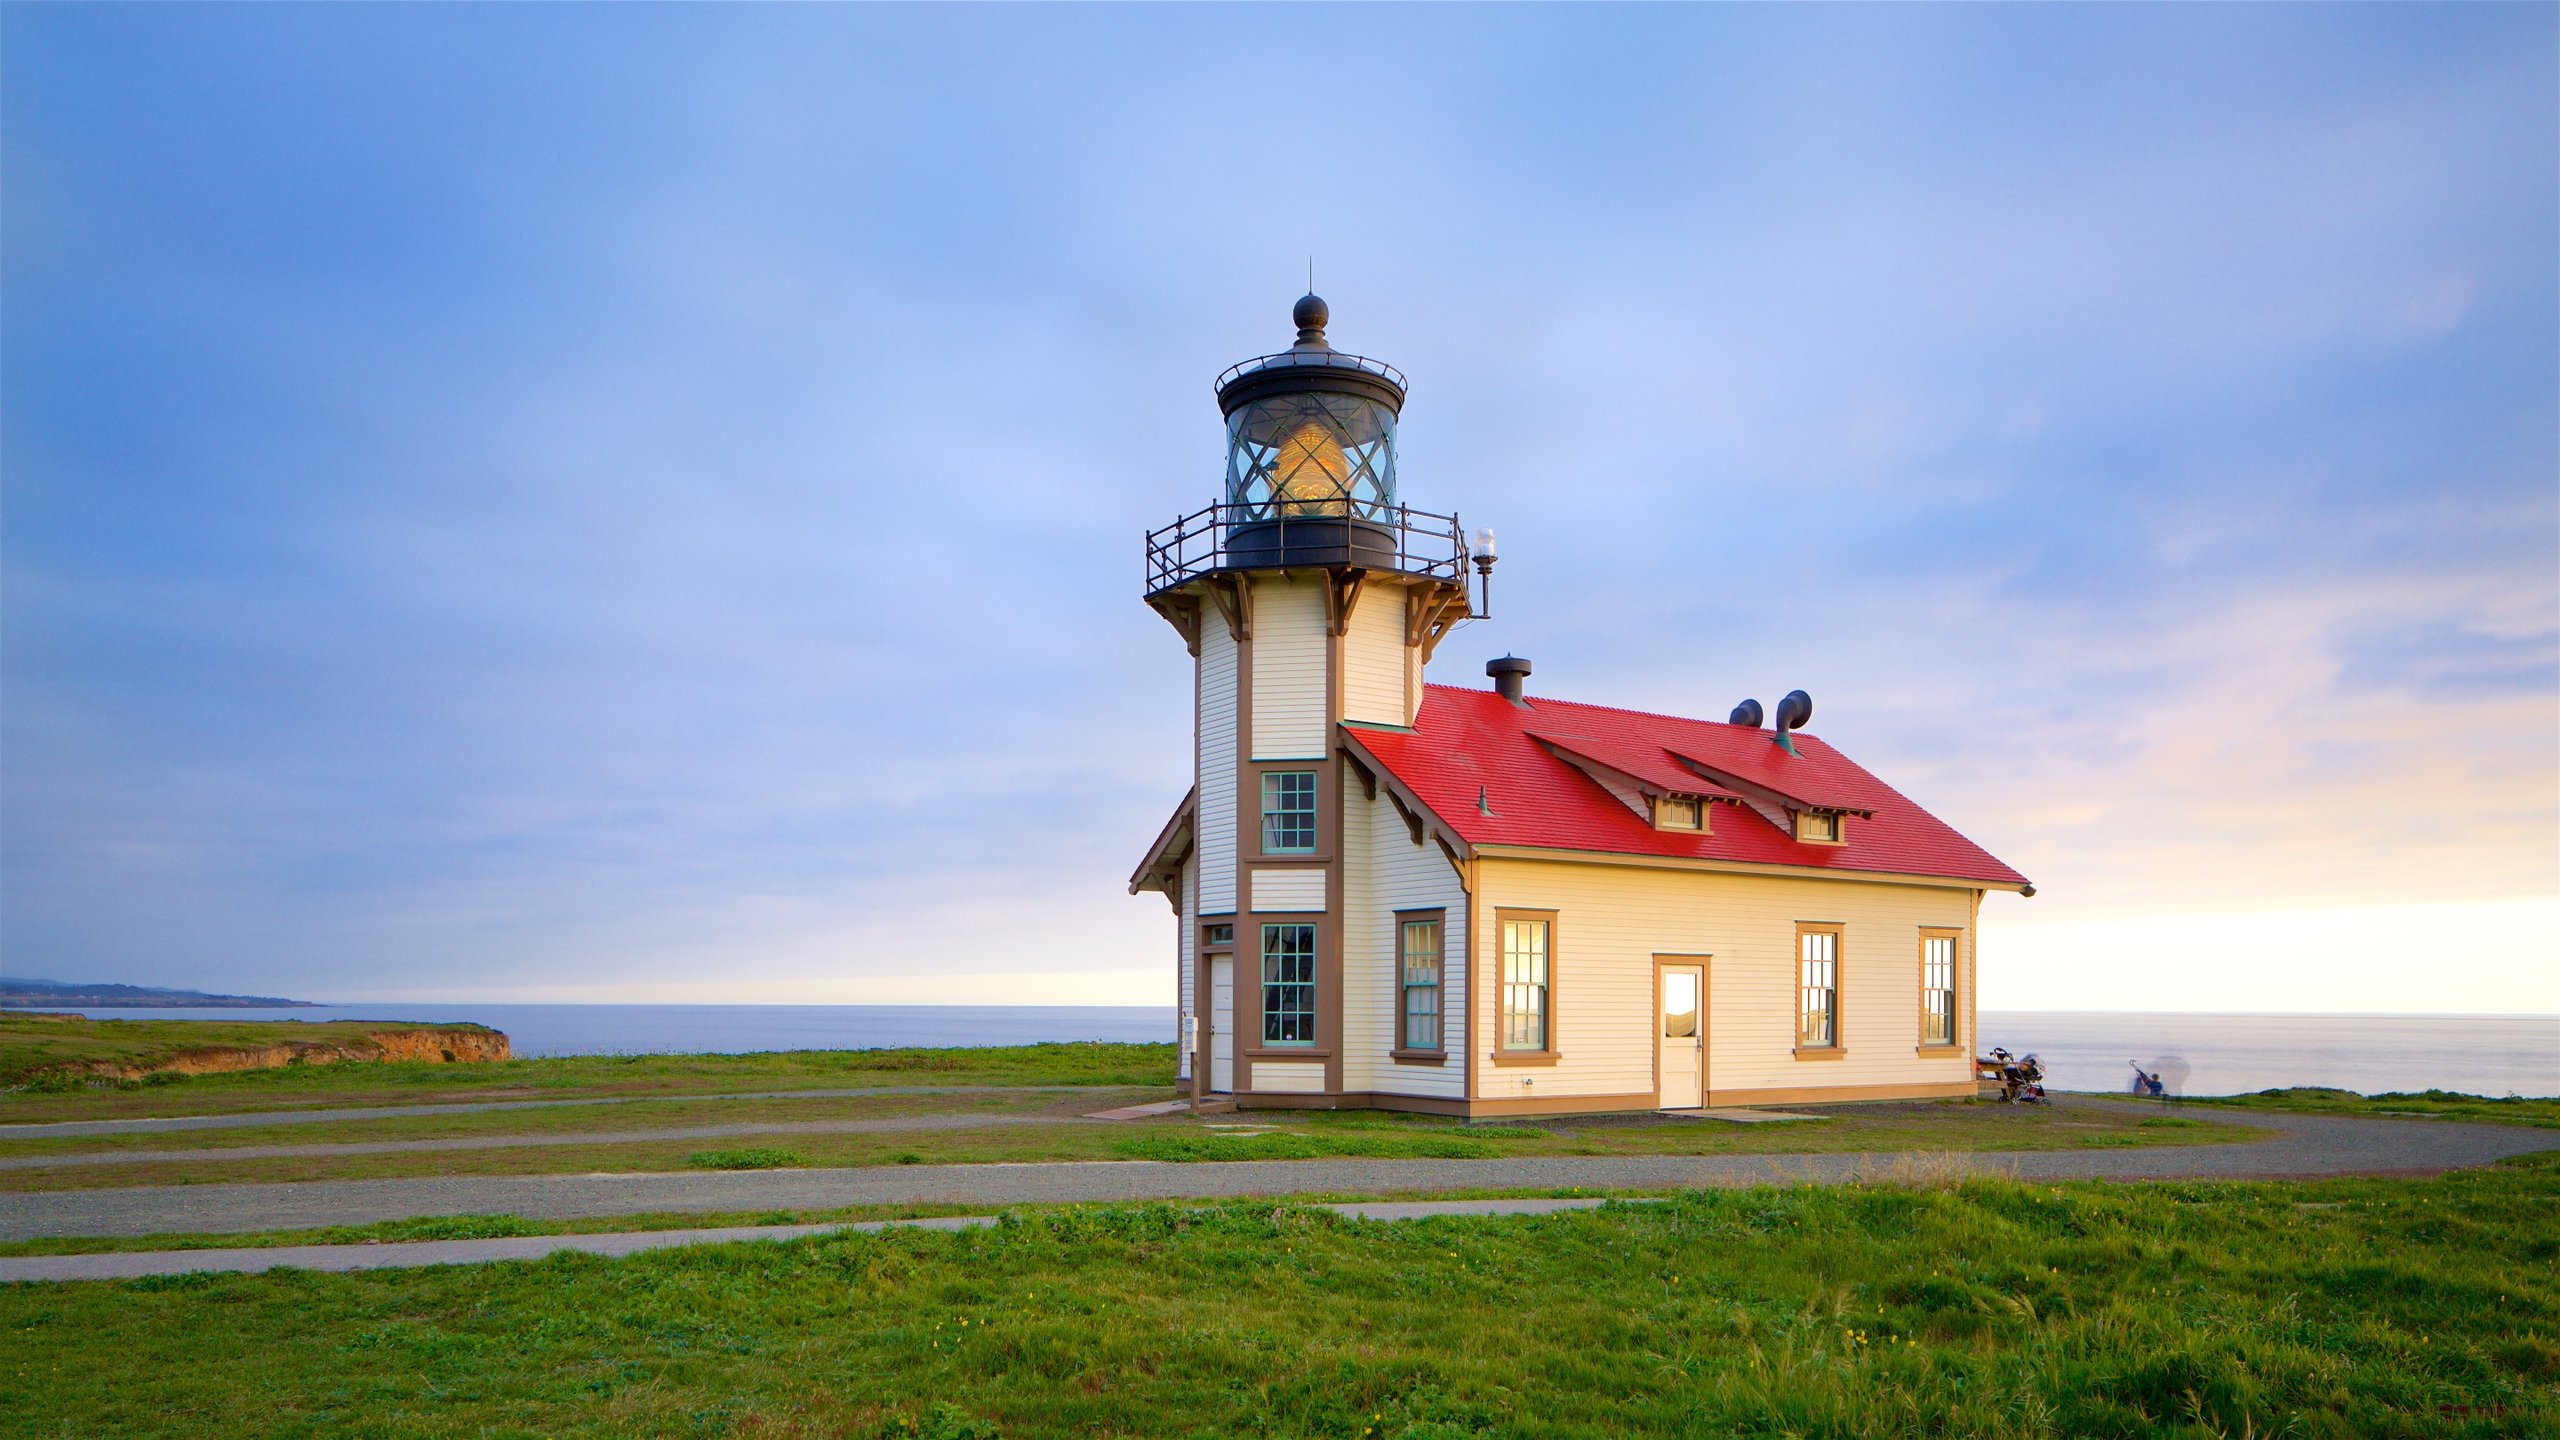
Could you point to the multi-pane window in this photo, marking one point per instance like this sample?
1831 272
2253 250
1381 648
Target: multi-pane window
1219 934
1818 989
1674 812
1421 984
1821 827
1288 811
1938 990
1288 984
1524 984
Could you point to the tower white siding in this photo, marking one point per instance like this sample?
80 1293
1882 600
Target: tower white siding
1217 770
1373 658
1288 669
1281 890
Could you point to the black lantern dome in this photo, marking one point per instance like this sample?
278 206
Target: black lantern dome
1311 451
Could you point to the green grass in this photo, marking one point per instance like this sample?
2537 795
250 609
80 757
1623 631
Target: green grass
1988 1308
1892 1126
412 1083
2542 1112
31 1045
748 1159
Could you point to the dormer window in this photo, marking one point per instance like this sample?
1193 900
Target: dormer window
1679 812
1818 827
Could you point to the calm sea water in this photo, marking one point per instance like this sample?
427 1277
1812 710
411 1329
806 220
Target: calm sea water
2225 1054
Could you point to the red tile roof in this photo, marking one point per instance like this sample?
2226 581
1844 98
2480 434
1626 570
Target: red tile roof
1468 743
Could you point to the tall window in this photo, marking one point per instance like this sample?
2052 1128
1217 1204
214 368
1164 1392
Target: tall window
1937 989
1818 989
1288 984
1524 984
1421 985
1288 811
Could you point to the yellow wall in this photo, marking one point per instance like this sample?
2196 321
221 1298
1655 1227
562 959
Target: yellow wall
1613 919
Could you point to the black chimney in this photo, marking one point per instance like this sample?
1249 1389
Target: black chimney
1508 673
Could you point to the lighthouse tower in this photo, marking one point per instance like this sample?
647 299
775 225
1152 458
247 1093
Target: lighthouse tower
1309 596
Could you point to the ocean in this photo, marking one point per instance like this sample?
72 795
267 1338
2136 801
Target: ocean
2081 1050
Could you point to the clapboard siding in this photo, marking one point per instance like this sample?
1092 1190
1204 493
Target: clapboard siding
1288 669
1612 920
1288 1078
1217 769
1384 871
1373 655
1288 890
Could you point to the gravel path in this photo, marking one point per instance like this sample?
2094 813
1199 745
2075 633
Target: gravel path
128 1265
2303 1146
887 1125
253 1119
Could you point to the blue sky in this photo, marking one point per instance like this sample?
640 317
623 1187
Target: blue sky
643 503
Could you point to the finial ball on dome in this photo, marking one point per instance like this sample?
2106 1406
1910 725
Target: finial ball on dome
1311 313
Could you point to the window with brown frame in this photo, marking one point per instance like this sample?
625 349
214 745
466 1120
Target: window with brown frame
1817 987
1526 984
1938 987
1418 983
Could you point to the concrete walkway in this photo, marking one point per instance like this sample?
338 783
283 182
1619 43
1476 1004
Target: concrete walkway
887 1125
254 1119
128 1265
2303 1146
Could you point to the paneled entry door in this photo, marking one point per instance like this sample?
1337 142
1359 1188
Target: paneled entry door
1683 1065
1222 1024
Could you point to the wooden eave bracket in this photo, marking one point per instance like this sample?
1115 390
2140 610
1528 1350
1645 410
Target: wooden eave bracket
1341 593
1763 793
1182 611
1234 599
1430 612
1418 817
1163 862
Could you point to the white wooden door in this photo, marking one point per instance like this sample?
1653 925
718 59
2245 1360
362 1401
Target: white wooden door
1222 1026
1684 1037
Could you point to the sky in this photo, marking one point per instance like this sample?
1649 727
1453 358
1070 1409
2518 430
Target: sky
645 503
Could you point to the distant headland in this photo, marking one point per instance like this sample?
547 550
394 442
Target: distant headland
138 997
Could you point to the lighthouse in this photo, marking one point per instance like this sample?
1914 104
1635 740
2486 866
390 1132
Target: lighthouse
1308 594
1488 901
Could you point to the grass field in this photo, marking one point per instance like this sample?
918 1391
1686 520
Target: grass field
2542 1112
2339 1308
1042 1125
596 1075
32 1044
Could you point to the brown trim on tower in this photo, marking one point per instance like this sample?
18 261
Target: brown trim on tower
1248 822
1504 916
1328 801
1341 591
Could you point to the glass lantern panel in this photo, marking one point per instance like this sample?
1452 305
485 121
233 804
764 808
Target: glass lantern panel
1311 454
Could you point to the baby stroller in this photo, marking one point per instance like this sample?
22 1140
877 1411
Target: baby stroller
2021 1077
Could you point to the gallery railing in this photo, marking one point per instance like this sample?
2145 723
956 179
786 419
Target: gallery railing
1380 537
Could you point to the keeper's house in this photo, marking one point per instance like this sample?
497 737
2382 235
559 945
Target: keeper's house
1488 902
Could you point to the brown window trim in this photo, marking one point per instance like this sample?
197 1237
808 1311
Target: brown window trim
1404 1049
1328 787
1419 1057
1503 915
1290 1052
1839 933
1955 989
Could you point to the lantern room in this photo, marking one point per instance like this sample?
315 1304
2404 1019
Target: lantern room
1311 451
